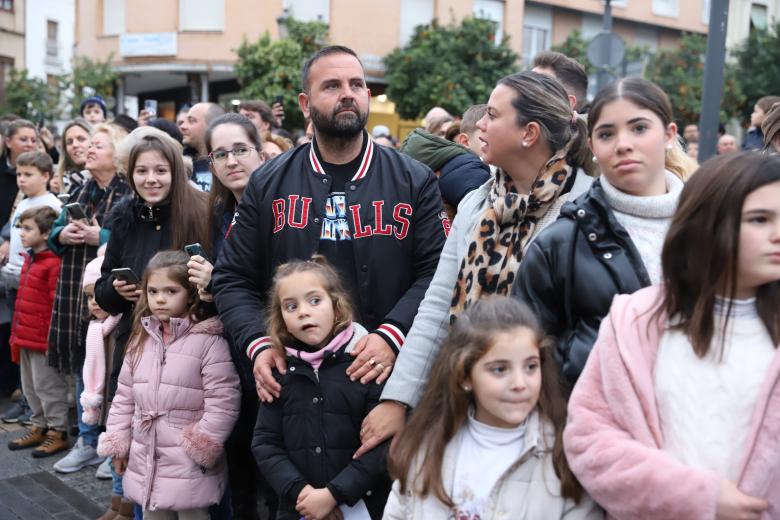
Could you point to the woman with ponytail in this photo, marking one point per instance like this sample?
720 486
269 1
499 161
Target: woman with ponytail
539 146
608 241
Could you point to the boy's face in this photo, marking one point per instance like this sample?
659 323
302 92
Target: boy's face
93 113
31 180
31 235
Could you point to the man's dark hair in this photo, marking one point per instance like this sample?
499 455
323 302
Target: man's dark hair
126 122
568 71
169 127
325 51
261 108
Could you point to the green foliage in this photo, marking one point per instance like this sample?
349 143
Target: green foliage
680 73
758 62
96 74
30 98
452 67
268 68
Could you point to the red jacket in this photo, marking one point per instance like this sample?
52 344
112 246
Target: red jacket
34 301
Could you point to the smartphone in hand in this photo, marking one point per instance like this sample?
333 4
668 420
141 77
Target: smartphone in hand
126 275
196 249
75 211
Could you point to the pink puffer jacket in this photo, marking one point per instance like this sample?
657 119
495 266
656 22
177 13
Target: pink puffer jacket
172 413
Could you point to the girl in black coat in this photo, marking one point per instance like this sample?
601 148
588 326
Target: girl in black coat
608 241
305 439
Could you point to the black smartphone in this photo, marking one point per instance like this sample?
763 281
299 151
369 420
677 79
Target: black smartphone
64 197
75 211
280 99
196 249
126 275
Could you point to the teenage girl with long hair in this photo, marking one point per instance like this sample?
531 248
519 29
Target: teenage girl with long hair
609 240
675 414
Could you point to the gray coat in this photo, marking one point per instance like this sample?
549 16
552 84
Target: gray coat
431 324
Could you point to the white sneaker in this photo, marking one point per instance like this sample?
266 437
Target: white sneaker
104 470
80 456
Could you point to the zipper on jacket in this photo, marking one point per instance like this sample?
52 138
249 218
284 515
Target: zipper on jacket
317 374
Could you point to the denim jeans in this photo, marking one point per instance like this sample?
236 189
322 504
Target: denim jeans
116 482
88 432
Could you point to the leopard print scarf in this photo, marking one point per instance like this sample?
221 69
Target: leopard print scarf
494 253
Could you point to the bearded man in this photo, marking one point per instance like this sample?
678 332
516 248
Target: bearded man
374 213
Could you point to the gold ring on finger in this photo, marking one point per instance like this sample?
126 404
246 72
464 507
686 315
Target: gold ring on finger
371 362
381 367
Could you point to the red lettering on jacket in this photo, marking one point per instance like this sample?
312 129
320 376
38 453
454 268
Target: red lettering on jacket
379 229
304 211
360 231
402 207
278 206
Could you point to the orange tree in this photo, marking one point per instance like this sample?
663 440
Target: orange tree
680 73
449 66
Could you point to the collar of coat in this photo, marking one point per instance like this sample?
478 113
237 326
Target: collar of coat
365 160
181 326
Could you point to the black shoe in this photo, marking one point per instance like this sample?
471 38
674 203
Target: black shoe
18 410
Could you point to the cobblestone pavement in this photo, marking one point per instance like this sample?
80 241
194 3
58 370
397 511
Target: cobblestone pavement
31 490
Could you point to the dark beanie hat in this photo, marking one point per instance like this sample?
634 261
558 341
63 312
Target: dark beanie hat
94 100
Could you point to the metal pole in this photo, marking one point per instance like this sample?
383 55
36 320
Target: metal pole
713 79
602 78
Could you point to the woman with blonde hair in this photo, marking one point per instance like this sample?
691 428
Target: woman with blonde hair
77 240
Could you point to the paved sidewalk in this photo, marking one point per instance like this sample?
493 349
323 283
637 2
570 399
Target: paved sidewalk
31 490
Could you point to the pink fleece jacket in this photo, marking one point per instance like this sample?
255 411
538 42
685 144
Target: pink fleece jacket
94 371
613 438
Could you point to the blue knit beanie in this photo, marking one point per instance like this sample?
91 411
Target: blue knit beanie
94 100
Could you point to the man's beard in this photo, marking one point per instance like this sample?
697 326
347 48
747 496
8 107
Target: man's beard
344 125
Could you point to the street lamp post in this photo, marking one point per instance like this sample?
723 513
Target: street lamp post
713 79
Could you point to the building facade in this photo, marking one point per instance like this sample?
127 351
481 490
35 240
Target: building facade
49 38
180 51
12 52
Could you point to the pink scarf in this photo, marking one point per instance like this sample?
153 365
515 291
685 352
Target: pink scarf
315 358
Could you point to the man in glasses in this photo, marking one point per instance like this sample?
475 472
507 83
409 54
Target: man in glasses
374 213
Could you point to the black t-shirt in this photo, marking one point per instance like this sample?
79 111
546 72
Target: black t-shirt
336 237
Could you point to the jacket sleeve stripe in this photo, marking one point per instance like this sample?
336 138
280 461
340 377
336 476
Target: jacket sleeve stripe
257 345
392 333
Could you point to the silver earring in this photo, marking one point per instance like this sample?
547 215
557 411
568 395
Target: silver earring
669 146
525 144
595 160
466 388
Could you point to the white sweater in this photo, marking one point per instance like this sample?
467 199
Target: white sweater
646 219
485 453
15 258
706 404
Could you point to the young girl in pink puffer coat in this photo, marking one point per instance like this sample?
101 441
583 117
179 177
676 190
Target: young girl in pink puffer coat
177 400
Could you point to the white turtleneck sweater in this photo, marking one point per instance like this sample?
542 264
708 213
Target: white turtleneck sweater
646 219
485 453
706 404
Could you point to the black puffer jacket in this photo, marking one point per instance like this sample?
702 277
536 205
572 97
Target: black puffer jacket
571 272
309 434
137 234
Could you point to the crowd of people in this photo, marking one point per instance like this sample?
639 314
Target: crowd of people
540 308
